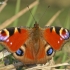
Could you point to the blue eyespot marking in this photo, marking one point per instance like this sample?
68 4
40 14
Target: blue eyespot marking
69 33
49 51
19 52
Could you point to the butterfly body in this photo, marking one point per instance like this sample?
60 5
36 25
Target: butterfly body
34 45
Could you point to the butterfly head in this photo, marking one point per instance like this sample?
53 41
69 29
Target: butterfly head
36 25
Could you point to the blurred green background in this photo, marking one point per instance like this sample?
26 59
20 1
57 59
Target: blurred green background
42 13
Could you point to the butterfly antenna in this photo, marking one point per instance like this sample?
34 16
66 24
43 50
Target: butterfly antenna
32 14
43 14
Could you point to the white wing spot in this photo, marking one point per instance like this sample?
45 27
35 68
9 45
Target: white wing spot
58 42
11 43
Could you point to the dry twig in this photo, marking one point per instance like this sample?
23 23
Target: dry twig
43 67
4 53
3 5
12 66
53 18
9 21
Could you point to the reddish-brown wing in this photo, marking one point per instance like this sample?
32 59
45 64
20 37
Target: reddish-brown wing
13 38
56 36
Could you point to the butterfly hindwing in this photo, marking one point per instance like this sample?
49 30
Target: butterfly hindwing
13 38
56 36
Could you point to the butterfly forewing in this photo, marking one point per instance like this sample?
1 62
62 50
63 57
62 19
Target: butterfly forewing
56 36
13 38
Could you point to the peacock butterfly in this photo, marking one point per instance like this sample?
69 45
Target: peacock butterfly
34 45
